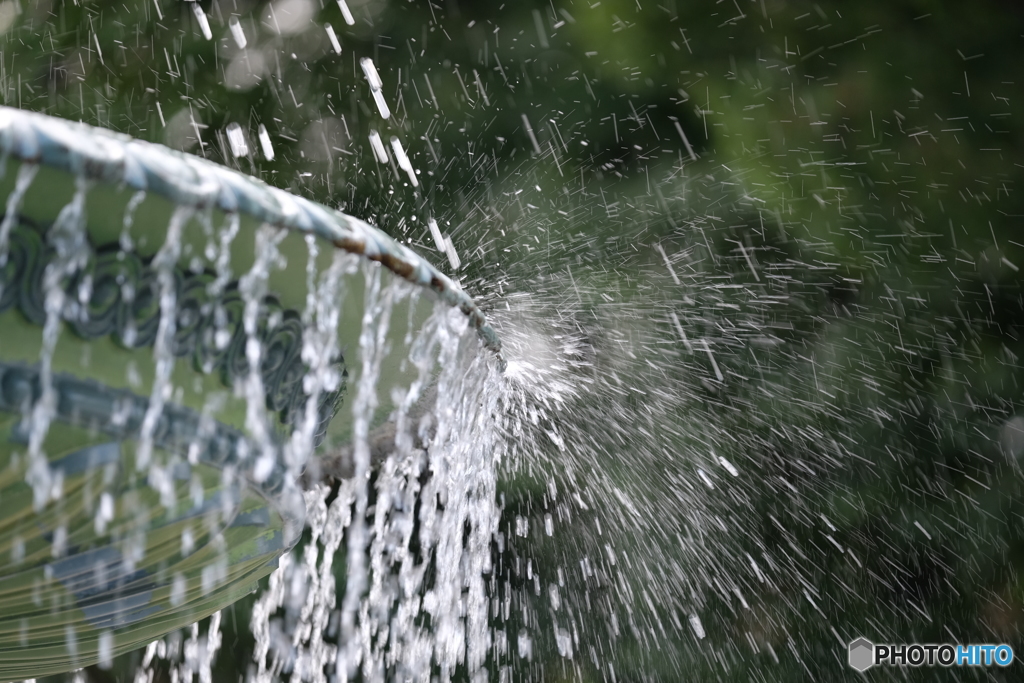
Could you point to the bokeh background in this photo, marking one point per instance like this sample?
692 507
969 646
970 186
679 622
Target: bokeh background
757 261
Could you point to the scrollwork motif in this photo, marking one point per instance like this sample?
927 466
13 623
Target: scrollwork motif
116 294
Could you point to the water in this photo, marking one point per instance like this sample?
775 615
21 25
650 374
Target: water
759 307
376 315
376 86
392 551
237 32
414 597
26 174
253 288
165 261
67 237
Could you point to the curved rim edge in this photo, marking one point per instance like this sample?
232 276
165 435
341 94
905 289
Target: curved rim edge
185 179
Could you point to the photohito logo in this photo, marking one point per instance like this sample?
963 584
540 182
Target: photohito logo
863 654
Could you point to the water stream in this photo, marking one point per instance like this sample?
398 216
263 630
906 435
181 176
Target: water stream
760 314
67 239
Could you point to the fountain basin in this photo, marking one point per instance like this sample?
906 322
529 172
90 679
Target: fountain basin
143 300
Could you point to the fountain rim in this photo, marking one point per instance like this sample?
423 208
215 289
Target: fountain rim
187 180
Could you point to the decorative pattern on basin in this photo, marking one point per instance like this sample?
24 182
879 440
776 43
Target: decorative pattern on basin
208 329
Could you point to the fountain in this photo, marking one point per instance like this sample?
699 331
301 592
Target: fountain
177 340
755 273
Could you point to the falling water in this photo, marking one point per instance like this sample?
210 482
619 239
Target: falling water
376 318
125 240
68 240
165 262
26 174
253 287
401 566
319 347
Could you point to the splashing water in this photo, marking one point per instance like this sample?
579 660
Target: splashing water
415 595
707 379
416 525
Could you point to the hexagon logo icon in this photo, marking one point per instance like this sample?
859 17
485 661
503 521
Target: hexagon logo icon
862 654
